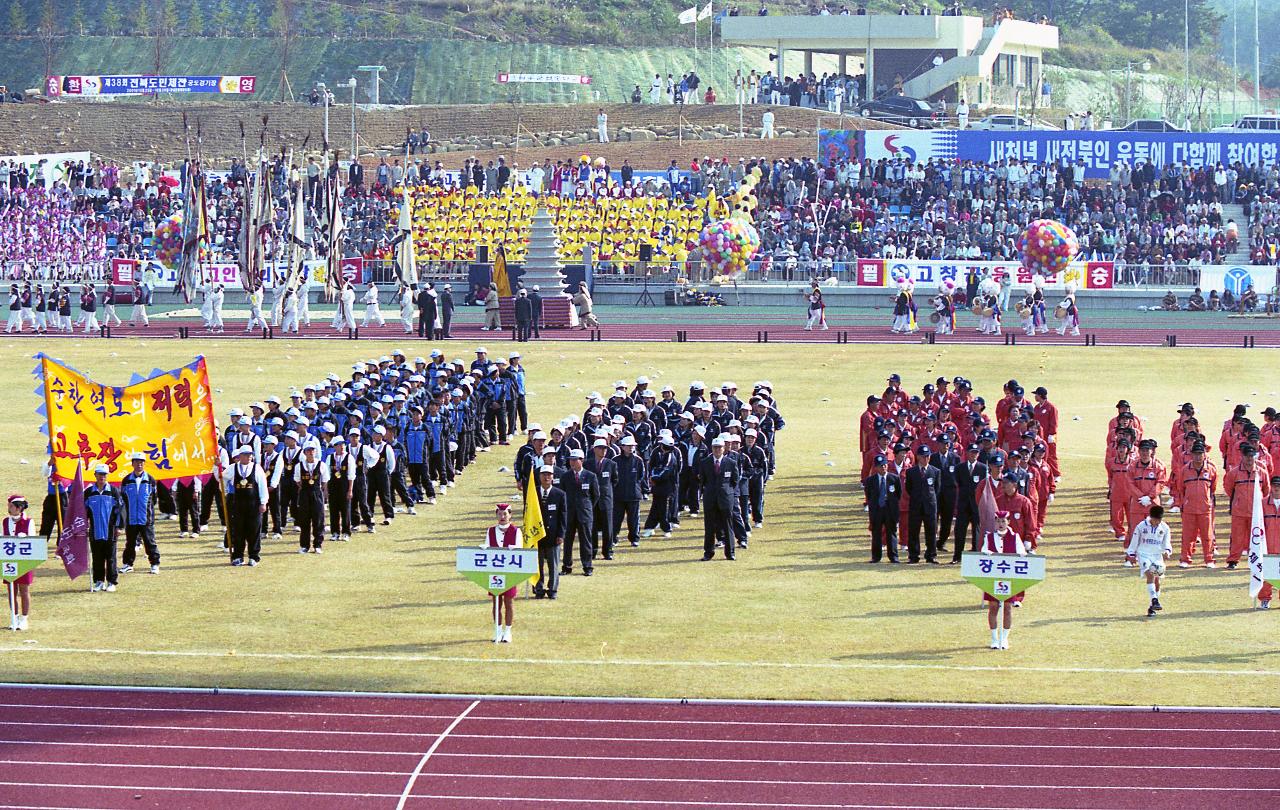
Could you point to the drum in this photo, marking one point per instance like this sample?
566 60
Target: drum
1024 311
935 317
1059 311
988 312
977 308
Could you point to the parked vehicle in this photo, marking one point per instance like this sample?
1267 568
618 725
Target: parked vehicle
902 110
1004 123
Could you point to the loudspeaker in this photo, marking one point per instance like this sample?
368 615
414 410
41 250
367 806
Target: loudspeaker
482 254
646 252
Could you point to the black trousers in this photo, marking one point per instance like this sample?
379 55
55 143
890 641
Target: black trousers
756 494
716 519
946 513
929 520
690 492
884 534
523 330
966 528
288 495
339 508
188 510
659 510
398 488
439 470
103 555
147 534
380 491
210 498
424 328
580 529
360 511
275 513
495 422
445 318
548 567
164 500
53 503
603 535
523 412
311 519
246 530
421 481
631 511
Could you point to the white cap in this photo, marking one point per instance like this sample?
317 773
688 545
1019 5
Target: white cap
668 441
534 427
718 441
547 468
596 412
751 432
237 412
540 435
244 420
337 440
617 420
378 430
628 441
686 415
288 434
481 350
243 450
642 380
638 409
734 423
600 443
576 453
514 356
137 457
700 430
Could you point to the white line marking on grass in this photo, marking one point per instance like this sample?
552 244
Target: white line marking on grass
622 662
413 777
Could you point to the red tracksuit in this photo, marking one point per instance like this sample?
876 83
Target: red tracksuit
1149 480
1238 485
1046 415
1193 491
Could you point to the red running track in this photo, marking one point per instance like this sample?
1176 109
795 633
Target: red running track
109 748
1266 334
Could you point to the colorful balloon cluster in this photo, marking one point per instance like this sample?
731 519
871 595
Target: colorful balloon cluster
168 242
1047 247
728 245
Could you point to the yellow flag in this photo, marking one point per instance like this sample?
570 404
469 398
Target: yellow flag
534 529
500 279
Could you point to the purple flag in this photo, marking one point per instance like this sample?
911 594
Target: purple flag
73 542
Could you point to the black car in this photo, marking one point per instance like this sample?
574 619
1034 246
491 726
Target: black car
1149 125
903 110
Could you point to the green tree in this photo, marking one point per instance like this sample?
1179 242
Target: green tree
169 17
250 20
195 20
79 23
109 19
222 18
49 20
332 20
17 17
141 18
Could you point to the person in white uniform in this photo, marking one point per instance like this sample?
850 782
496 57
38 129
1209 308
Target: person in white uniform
372 312
1149 547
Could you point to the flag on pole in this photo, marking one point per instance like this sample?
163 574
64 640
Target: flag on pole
534 528
689 16
406 252
1257 540
706 11
500 279
332 231
987 511
73 541
195 233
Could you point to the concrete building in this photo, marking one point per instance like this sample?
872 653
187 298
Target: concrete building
984 64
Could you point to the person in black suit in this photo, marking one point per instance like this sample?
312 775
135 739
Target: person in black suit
581 492
948 464
883 490
535 300
969 474
426 312
355 175
923 481
719 477
446 310
629 486
524 317
606 471
555 511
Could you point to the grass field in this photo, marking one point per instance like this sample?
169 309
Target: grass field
800 615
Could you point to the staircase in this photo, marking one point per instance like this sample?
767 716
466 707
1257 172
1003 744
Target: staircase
1234 211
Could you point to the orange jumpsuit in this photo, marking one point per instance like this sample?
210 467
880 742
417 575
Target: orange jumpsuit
1119 489
1022 515
1150 480
1238 485
1271 520
1134 423
1044 487
1046 415
1230 437
1193 491
1178 430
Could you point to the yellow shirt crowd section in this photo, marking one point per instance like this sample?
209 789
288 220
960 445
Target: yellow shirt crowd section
448 225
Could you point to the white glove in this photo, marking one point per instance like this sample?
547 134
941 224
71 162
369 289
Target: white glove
1144 500
1052 440
1175 509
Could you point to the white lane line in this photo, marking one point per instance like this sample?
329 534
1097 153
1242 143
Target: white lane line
228 768
632 721
624 662
413 777
177 789
346 752
219 729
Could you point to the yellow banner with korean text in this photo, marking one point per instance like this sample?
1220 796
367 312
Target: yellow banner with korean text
167 417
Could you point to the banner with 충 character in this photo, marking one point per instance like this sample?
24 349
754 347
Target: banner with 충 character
166 416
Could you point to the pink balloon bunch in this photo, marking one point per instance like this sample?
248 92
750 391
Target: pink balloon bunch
1047 247
728 245
168 240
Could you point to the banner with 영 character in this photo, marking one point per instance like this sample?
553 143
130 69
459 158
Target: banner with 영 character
1096 151
931 274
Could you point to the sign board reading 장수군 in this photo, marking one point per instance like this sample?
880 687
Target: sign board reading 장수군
497 569
1002 575
1096 151
18 555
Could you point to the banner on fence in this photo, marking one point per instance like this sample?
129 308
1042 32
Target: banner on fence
140 84
1238 278
1096 151
924 273
50 165
167 416
543 78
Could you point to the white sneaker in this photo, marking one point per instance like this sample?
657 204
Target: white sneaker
183 534
97 586
275 536
1004 643
1210 565
413 511
995 640
126 569
302 550
759 524
317 550
506 634
497 634
110 588
253 563
1184 564
22 622
666 534
155 569
431 501
647 533
195 535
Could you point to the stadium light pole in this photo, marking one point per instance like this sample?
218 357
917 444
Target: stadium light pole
1257 63
1235 70
1186 69
324 95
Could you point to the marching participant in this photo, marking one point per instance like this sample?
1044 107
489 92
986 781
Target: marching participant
311 478
817 309
344 317
405 296
1046 415
1145 481
340 472
944 310
902 310
246 488
372 311
1003 540
1149 548
289 311
1038 320
1068 313
102 508
255 310
1238 484
303 295
109 316
215 309
42 306
17 524
89 309
504 535
138 494
1021 512
882 490
1194 490
15 310
139 313
554 510
1026 311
